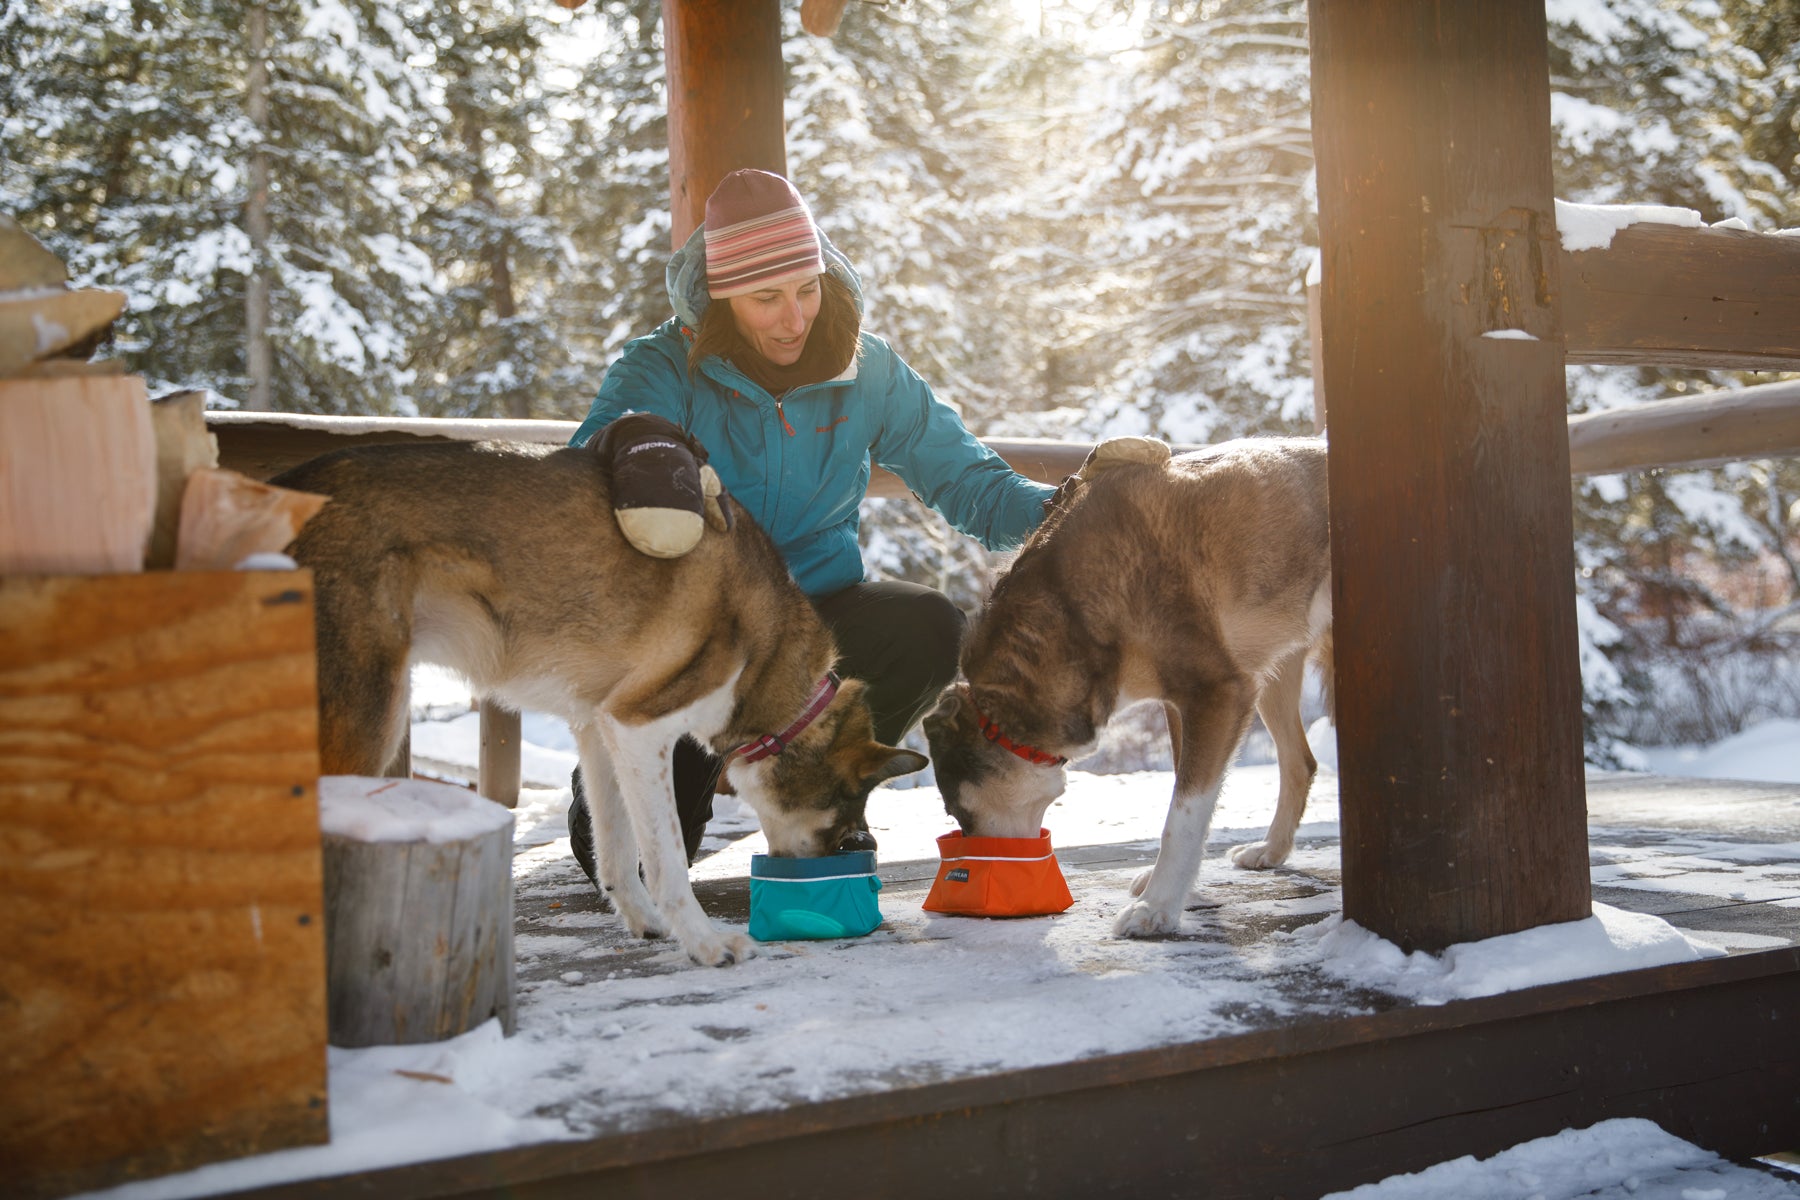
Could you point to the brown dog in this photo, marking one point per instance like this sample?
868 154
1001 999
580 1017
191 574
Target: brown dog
505 563
1203 582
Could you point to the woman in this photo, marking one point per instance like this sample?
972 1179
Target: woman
766 365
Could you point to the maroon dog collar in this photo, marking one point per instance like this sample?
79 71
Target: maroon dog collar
774 743
1030 754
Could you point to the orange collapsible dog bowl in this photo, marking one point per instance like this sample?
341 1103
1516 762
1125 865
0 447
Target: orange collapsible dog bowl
998 877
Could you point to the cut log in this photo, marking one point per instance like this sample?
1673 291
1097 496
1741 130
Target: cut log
227 517
25 262
183 446
42 324
418 910
77 475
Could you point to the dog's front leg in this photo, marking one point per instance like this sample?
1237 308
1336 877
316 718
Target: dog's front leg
1210 723
641 757
615 847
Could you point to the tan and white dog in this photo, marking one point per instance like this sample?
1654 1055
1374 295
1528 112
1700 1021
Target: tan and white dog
1202 581
505 563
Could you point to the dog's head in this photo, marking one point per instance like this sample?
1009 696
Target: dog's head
810 798
988 790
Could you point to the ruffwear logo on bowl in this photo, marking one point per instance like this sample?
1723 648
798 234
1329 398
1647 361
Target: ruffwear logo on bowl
959 875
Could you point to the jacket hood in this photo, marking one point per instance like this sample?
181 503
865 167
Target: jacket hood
686 277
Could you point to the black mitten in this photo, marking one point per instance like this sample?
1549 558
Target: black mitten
663 493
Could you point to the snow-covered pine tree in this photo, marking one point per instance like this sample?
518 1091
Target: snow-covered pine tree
126 130
1682 573
606 191
1199 165
493 345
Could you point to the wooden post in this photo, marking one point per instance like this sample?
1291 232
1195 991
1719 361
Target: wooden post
498 772
1459 725
725 97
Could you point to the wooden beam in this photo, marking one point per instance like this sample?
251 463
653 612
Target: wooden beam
1695 431
725 98
1453 569
1679 297
1703 430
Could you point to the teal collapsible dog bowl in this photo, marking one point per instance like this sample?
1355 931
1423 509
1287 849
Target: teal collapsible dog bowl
829 897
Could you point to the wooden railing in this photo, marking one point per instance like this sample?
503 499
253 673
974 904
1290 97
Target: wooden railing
1757 422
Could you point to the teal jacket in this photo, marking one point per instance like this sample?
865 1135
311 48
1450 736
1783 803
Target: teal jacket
801 465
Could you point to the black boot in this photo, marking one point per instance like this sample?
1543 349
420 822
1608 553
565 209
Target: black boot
581 829
696 774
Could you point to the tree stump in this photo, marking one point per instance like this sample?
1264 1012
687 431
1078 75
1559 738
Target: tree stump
418 910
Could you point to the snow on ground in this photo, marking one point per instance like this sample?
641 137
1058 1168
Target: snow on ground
602 1046
1609 1161
1769 752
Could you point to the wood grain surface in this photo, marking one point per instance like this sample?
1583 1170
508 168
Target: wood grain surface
162 970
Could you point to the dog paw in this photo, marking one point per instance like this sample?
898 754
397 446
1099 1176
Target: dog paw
1142 881
721 949
1259 856
642 919
1141 920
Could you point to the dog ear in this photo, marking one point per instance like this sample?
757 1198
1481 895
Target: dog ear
880 763
949 706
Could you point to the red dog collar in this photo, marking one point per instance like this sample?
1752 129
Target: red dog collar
1030 754
774 743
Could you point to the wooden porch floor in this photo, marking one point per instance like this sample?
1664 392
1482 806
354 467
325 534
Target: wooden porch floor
1299 1083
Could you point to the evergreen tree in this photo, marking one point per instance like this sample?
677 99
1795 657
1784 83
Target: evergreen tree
128 129
1201 166
606 191
1657 103
494 345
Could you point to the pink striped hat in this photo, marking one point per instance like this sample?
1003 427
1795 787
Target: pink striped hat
758 235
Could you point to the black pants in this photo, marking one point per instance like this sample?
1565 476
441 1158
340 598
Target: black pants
900 639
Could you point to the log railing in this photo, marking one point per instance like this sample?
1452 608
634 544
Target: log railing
1704 430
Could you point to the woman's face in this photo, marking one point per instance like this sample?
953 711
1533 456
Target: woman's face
776 320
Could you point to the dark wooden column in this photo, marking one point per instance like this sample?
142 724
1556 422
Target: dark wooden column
1459 690
725 96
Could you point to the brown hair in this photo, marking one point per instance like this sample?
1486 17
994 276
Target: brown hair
835 339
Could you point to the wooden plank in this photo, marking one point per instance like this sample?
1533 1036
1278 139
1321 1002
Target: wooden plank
1680 297
725 98
1704 430
1700 1048
262 445
162 969
1453 567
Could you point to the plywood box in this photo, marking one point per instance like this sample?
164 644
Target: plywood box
162 965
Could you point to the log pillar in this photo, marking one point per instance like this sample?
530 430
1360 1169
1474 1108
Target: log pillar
1460 726
725 98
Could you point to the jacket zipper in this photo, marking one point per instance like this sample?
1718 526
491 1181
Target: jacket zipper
783 416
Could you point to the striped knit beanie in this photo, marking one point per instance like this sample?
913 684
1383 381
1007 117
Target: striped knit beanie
758 235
